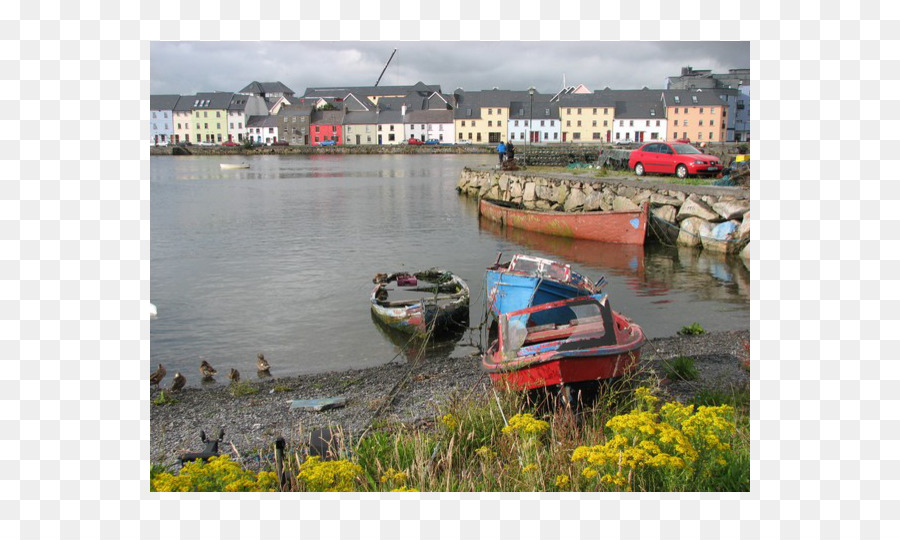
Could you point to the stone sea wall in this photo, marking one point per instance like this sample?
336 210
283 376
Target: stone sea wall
707 217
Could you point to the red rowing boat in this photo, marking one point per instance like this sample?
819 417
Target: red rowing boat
560 343
622 227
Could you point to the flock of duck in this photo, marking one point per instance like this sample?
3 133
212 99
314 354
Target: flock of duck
208 372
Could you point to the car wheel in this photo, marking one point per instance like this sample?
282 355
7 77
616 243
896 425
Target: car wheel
681 171
639 169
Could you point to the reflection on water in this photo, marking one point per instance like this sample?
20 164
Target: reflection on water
279 259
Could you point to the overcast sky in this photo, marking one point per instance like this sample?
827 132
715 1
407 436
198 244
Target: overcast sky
190 67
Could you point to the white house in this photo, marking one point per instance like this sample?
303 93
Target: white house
539 126
162 118
241 108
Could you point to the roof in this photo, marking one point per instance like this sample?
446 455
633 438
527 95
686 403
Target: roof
295 110
266 88
686 97
238 102
262 121
596 99
636 103
341 91
185 103
212 100
163 102
327 118
543 110
434 116
474 101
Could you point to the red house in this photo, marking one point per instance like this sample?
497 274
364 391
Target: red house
326 126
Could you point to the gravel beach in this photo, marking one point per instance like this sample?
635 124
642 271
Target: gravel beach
253 421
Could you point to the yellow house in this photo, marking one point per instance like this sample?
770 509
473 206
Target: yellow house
586 118
698 115
209 117
483 117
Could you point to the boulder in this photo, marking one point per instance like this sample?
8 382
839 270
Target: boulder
745 253
665 213
515 189
744 230
621 204
528 192
709 199
694 207
642 197
503 182
541 204
627 192
732 209
562 192
493 193
658 199
721 238
575 200
677 194
692 229
547 193
593 201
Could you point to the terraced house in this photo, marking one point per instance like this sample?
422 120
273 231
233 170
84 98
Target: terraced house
697 115
162 118
293 124
640 115
209 117
429 118
483 116
586 118
241 108
540 125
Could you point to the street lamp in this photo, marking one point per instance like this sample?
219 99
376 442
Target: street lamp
531 109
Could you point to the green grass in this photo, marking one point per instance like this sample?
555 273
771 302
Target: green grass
681 368
243 388
163 399
693 330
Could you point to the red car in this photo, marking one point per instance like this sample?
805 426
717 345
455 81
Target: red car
229 143
414 141
668 158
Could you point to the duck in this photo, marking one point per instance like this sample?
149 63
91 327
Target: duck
234 375
157 376
178 381
207 370
261 364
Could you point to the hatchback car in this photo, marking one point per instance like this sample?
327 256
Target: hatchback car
229 143
329 142
414 141
668 158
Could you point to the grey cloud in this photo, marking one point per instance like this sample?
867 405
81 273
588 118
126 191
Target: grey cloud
188 67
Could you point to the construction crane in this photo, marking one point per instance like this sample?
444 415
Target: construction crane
385 67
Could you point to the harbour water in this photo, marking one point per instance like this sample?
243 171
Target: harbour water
279 259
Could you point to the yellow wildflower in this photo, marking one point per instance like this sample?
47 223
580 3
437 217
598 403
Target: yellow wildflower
219 473
485 453
320 475
562 481
405 489
531 467
588 473
450 421
526 424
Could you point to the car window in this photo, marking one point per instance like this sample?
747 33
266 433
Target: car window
664 149
685 149
652 148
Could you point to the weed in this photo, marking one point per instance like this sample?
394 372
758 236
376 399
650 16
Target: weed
681 368
281 388
243 388
163 399
693 330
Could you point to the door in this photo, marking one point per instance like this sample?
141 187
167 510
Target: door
357 140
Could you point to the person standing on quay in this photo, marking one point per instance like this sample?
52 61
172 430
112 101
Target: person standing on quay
501 151
510 151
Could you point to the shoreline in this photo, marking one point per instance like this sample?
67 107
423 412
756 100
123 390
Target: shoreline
253 421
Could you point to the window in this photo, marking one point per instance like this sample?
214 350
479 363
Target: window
516 123
154 114
579 123
699 135
654 135
576 136
677 100
594 123
490 123
218 125
676 122
205 126
568 123
605 110
605 123
423 126
205 114
595 112
179 126
219 137
712 122
555 136
621 123
676 110
462 124
617 135
652 112
710 135
542 123
392 129
198 126
579 111
240 125
165 115
499 123
657 123
568 111
218 114
685 123
693 99
596 136
552 123
547 112
154 126
701 110
701 122
648 123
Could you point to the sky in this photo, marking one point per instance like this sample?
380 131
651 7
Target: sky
182 67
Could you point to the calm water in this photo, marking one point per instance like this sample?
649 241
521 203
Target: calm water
279 258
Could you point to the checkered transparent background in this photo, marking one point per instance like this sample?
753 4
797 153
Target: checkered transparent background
74 273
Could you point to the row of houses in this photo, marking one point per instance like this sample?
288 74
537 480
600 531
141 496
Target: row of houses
266 113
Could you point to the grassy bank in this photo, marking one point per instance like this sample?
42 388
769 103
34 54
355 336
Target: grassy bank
629 439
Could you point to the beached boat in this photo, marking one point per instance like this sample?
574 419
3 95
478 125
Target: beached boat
527 281
563 343
226 166
432 301
618 227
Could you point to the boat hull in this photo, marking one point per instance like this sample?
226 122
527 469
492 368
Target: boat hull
623 227
434 314
565 370
229 166
511 292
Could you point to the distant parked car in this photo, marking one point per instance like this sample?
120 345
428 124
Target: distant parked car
329 142
432 141
229 143
280 143
683 141
414 141
463 141
668 158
